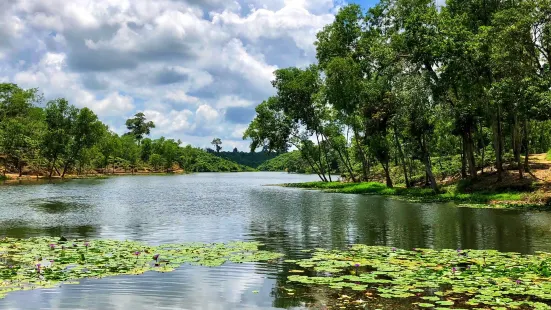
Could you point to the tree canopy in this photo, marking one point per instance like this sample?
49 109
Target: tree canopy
406 83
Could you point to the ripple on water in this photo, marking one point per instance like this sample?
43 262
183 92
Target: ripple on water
228 207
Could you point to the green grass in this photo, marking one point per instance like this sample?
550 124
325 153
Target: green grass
448 194
549 155
4 177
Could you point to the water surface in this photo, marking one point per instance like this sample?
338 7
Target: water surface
211 207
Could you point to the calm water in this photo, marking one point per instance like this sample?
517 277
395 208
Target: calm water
228 207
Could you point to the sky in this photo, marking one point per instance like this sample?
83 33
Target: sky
197 68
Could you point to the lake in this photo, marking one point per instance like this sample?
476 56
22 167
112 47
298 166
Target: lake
216 207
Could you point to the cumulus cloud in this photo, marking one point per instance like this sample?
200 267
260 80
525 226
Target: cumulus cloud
171 122
114 104
197 68
294 20
206 114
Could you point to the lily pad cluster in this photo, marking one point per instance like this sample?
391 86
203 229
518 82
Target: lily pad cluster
479 279
46 262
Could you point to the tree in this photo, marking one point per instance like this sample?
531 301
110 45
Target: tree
270 129
519 39
170 152
301 98
60 117
417 116
139 126
146 149
16 102
235 150
130 151
85 131
217 144
21 125
156 161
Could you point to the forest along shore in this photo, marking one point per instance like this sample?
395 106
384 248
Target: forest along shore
14 177
530 192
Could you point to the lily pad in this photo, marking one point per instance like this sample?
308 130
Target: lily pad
46 262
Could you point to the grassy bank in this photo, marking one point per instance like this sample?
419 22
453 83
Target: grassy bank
481 199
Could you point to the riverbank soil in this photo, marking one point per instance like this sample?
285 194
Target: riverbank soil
14 177
535 184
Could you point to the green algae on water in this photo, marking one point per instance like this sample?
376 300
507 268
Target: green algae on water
45 262
481 279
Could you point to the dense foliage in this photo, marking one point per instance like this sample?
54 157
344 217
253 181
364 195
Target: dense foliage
198 160
59 138
249 159
408 81
290 162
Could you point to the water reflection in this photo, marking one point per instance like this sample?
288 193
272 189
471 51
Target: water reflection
20 229
340 220
227 207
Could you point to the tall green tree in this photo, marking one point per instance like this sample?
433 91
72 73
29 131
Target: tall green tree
139 126
60 117
270 129
217 142
84 132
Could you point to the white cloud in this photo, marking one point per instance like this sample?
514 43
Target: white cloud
205 114
232 101
236 58
181 96
114 104
170 122
50 75
238 131
293 20
197 68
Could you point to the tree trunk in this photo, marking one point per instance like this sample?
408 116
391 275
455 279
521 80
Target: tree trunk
469 153
428 164
463 160
312 164
517 146
526 146
20 167
498 143
386 168
326 159
365 162
402 159
346 161
320 161
482 160
52 169
65 169
368 167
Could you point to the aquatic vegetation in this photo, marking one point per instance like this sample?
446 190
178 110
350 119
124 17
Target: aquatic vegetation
46 262
433 279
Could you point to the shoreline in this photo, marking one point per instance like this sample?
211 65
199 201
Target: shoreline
14 178
511 200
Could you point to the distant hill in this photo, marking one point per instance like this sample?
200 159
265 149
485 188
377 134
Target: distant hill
253 160
291 162
202 161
